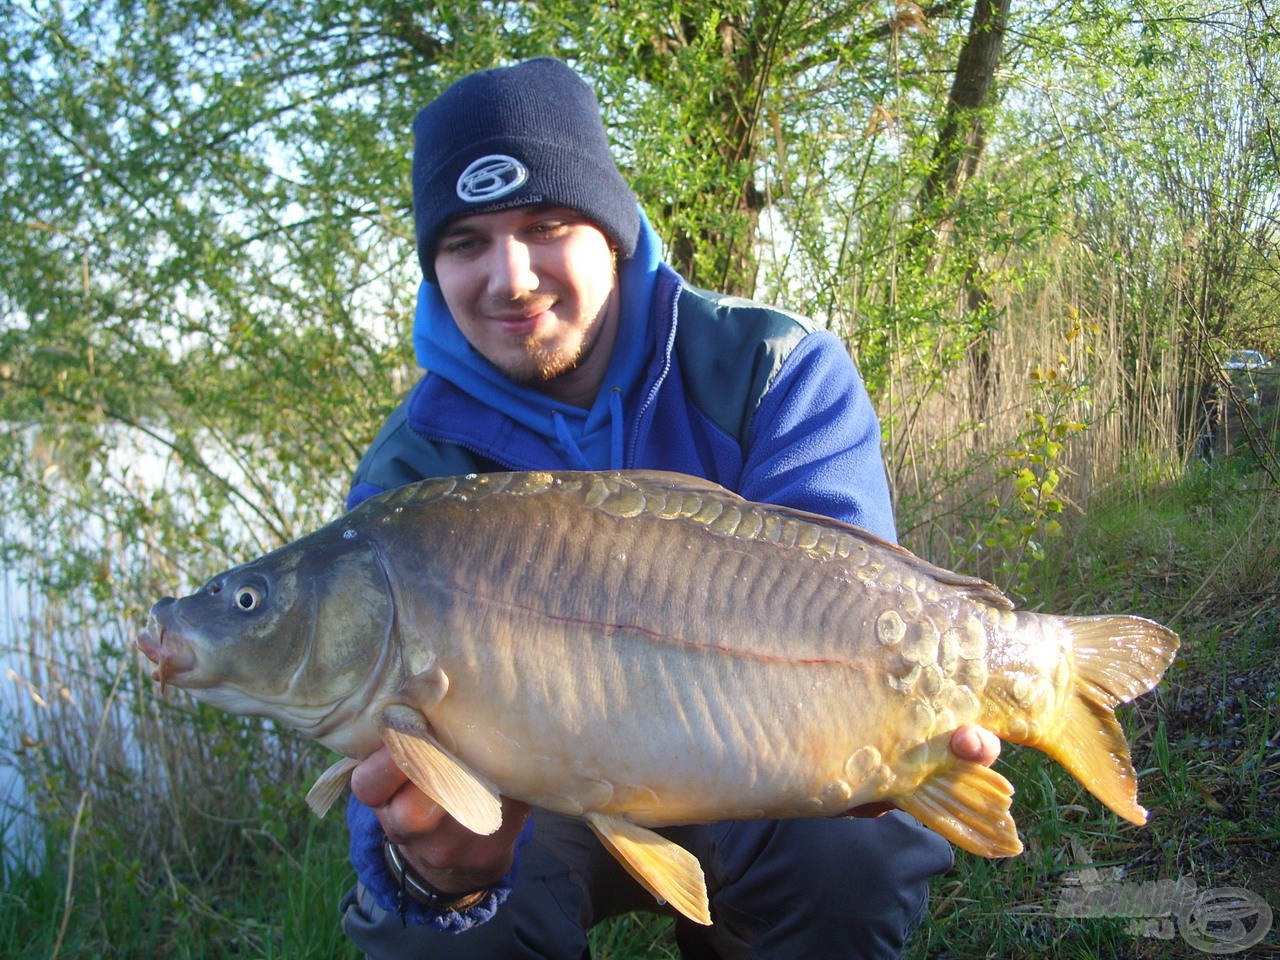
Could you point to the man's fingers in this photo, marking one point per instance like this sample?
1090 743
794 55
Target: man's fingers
453 859
971 742
411 814
376 779
975 743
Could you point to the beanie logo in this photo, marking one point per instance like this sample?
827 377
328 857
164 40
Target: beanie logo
491 177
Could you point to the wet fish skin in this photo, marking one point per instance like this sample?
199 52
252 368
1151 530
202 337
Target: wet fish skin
644 649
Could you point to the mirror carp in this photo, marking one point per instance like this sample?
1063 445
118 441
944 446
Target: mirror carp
643 649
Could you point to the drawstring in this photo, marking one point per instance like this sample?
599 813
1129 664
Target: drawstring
615 426
617 435
567 443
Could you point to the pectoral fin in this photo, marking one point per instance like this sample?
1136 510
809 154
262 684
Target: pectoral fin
665 869
969 805
468 797
329 786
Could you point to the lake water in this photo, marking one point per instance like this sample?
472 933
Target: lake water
58 688
45 661
21 831
51 672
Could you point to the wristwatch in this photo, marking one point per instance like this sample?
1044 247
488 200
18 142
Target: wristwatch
412 884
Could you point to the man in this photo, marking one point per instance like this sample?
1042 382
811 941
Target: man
553 337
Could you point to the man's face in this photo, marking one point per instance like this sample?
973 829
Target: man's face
533 290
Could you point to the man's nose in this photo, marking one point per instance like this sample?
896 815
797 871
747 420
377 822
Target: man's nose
511 269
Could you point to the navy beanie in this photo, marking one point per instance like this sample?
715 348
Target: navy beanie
511 137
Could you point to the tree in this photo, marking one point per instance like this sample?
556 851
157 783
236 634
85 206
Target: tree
1176 199
956 155
210 271
715 103
212 209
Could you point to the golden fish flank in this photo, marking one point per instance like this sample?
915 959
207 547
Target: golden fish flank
489 630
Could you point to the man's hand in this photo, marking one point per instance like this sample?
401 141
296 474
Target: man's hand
970 742
440 850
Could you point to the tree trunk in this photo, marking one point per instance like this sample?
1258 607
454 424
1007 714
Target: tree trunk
956 156
960 135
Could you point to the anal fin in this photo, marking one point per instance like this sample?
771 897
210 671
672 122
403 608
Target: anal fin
968 804
329 786
468 797
664 868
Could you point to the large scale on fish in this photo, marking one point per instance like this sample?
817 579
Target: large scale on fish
642 649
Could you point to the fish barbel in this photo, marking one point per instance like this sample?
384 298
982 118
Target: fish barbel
642 649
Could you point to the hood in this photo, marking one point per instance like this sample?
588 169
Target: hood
588 439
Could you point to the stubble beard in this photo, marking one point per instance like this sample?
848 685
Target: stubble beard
545 362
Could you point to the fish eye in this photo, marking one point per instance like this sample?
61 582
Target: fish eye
247 599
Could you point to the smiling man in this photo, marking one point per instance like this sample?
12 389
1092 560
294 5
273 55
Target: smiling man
532 290
553 337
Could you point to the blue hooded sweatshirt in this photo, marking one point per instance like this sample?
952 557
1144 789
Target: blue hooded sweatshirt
753 398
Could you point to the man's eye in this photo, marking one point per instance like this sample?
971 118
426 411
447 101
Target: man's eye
460 245
549 229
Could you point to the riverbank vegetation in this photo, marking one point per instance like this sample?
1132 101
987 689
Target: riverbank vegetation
1039 230
171 830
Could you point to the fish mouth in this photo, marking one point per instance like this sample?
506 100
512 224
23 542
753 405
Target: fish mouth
170 653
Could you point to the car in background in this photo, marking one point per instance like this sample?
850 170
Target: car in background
1245 360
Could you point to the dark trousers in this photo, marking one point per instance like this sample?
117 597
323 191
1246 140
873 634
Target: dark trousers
811 889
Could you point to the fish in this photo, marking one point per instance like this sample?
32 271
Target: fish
642 649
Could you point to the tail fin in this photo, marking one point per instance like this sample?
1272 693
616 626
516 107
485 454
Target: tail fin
1116 659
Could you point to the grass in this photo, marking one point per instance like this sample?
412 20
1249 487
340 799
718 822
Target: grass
199 846
1200 554
277 899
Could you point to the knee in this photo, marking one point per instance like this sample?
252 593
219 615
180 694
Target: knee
844 881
